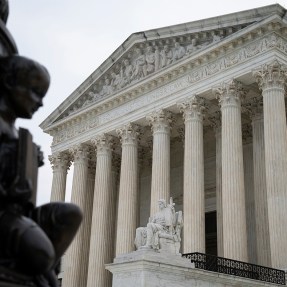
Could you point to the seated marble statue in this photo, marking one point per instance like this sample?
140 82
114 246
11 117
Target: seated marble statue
32 239
163 231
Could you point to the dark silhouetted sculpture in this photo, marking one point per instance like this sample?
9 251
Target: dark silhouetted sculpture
32 239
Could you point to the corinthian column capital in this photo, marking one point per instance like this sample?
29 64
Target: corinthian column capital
129 133
230 93
80 153
103 143
272 75
60 161
193 108
161 121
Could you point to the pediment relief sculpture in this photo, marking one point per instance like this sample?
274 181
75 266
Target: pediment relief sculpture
144 60
86 121
163 232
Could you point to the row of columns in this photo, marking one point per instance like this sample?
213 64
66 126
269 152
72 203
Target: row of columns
272 81
270 166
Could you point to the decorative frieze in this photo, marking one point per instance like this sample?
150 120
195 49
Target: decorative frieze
131 101
152 57
140 63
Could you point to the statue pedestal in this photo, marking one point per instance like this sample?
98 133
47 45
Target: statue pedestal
147 268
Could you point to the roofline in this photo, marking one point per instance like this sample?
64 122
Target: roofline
216 22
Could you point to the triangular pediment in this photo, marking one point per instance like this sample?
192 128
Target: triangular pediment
145 53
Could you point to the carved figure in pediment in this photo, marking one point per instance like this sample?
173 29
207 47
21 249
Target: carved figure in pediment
216 38
150 61
107 88
92 97
166 56
163 230
139 65
192 47
156 58
127 72
117 81
73 110
178 52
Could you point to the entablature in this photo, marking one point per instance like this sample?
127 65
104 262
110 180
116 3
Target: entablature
196 72
164 95
146 56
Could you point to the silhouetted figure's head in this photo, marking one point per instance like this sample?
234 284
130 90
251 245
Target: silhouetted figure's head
23 85
4 10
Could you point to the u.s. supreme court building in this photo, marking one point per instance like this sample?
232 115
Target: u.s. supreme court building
196 112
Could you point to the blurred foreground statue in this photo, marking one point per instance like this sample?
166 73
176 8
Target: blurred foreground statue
163 230
32 239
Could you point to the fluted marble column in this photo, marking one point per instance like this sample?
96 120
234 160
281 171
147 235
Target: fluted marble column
260 193
272 80
76 259
116 166
60 164
102 236
216 124
160 186
249 192
193 190
141 155
128 194
233 195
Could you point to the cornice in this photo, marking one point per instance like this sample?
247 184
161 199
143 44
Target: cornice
176 32
84 123
222 56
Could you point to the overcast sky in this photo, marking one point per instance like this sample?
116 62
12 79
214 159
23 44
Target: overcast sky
73 37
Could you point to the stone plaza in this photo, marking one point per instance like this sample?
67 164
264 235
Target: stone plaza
195 112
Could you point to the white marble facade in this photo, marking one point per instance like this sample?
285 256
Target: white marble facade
195 112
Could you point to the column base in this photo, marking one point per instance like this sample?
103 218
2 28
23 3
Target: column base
147 268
